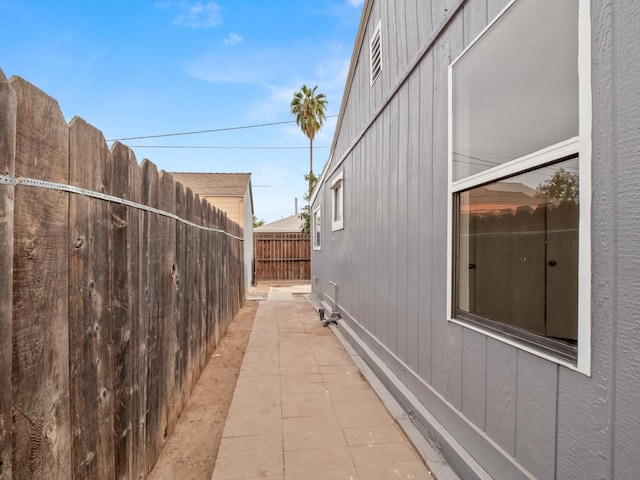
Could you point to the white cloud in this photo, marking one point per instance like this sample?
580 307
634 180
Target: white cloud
356 3
199 15
232 39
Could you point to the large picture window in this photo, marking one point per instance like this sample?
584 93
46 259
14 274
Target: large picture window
520 181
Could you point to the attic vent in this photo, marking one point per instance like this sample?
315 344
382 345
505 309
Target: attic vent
375 50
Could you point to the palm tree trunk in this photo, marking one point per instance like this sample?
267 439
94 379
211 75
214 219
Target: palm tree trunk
310 168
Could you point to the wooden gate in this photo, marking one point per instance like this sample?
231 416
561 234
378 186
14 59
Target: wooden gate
282 256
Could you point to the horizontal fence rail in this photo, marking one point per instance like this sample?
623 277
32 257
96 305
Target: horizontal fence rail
117 284
33 182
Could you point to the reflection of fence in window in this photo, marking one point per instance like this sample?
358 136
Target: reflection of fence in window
521 268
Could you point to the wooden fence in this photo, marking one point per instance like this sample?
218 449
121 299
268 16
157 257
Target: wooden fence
109 309
282 256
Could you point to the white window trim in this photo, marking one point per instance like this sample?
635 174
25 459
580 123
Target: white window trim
375 38
580 145
317 211
337 182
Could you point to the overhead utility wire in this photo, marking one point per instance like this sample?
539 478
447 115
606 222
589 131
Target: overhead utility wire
209 131
220 147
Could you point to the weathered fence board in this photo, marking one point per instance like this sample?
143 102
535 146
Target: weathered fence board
111 309
150 283
7 167
282 256
90 327
138 342
182 334
192 296
167 307
122 309
40 373
216 241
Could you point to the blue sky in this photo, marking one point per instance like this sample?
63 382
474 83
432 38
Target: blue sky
136 68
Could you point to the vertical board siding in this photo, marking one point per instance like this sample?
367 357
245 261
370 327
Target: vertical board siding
389 73
40 374
412 29
424 219
386 219
413 292
475 19
583 413
536 391
7 192
626 37
283 256
501 394
494 7
546 419
453 356
474 377
391 252
424 19
595 453
402 223
109 317
438 218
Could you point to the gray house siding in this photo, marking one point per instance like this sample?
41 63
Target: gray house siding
514 413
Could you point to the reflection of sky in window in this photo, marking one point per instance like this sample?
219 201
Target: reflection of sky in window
516 90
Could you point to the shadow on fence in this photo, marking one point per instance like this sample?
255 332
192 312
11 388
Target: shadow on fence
116 285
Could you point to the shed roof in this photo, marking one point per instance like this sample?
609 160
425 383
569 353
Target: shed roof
287 224
215 184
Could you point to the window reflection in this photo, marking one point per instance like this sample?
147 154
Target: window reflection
516 91
518 251
317 228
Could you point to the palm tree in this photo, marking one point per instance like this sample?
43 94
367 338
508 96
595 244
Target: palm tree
309 110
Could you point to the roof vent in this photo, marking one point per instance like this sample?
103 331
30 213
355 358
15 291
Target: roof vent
375 50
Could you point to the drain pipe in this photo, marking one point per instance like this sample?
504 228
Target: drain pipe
334 316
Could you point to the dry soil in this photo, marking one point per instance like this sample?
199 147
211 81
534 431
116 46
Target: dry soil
191 451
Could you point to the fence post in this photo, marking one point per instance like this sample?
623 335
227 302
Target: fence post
7 167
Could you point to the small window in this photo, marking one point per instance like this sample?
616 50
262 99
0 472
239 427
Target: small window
316 228
519 164
337 203
375 51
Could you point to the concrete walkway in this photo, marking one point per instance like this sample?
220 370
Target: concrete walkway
302 410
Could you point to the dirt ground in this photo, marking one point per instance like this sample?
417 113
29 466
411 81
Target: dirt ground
191 451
